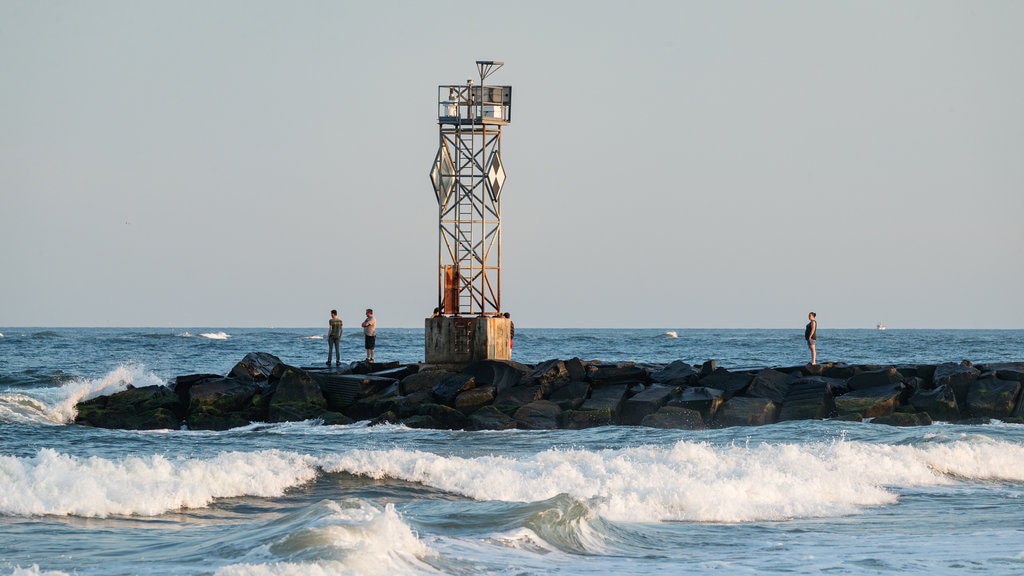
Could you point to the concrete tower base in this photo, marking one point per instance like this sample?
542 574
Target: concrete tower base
459 340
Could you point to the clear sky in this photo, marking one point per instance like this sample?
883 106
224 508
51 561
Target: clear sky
670 164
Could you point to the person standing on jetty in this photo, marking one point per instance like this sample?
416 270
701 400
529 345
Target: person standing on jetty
370 333
811 335
334 338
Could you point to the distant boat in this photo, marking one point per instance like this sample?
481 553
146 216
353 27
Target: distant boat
881 326
671 334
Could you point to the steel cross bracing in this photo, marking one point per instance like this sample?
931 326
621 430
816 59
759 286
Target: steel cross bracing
470 222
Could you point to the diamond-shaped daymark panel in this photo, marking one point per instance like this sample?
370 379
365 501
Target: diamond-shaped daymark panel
442 176
496 175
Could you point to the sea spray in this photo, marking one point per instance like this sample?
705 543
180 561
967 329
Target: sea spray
58 404
696 481
52 483
348 537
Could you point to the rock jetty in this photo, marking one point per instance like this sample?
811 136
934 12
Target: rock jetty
567 394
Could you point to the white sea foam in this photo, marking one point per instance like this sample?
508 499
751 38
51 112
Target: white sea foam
52 483
355 537
35 571
671 334
215 335
315 337
56 405
699 482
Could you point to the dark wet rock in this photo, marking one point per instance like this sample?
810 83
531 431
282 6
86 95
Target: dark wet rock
992 398
147 408
677 373
222 397
606 398
618 373
182 384
743 411
398 372
364 367
571 396
388 417
939 403
582 419
874 378
839 370
808 398
550 376
475 398
674 417
904 419
959 377
770 384
450 386
730 383
577 370
490 418
512 399
296 396
502 374
255 366
644 403
423 380
538 415
446 417
708 368
702 399
871 402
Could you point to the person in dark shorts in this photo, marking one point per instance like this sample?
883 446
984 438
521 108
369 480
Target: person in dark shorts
811 335
334 338
370 333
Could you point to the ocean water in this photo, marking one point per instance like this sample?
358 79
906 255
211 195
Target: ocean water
302 498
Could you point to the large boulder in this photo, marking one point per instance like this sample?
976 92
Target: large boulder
770 384
870 402
255 366
744 411
450 387
148 408
678 373
296 396
606 398
939 403
674 417
226 403
571 396
705 401
502 374
874 378
992 398
618 373
959 377
644 403
808 398
730 383
490 418
470 400
422 380
538 415
550 376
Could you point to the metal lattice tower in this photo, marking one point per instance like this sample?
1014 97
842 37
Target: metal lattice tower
468 177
